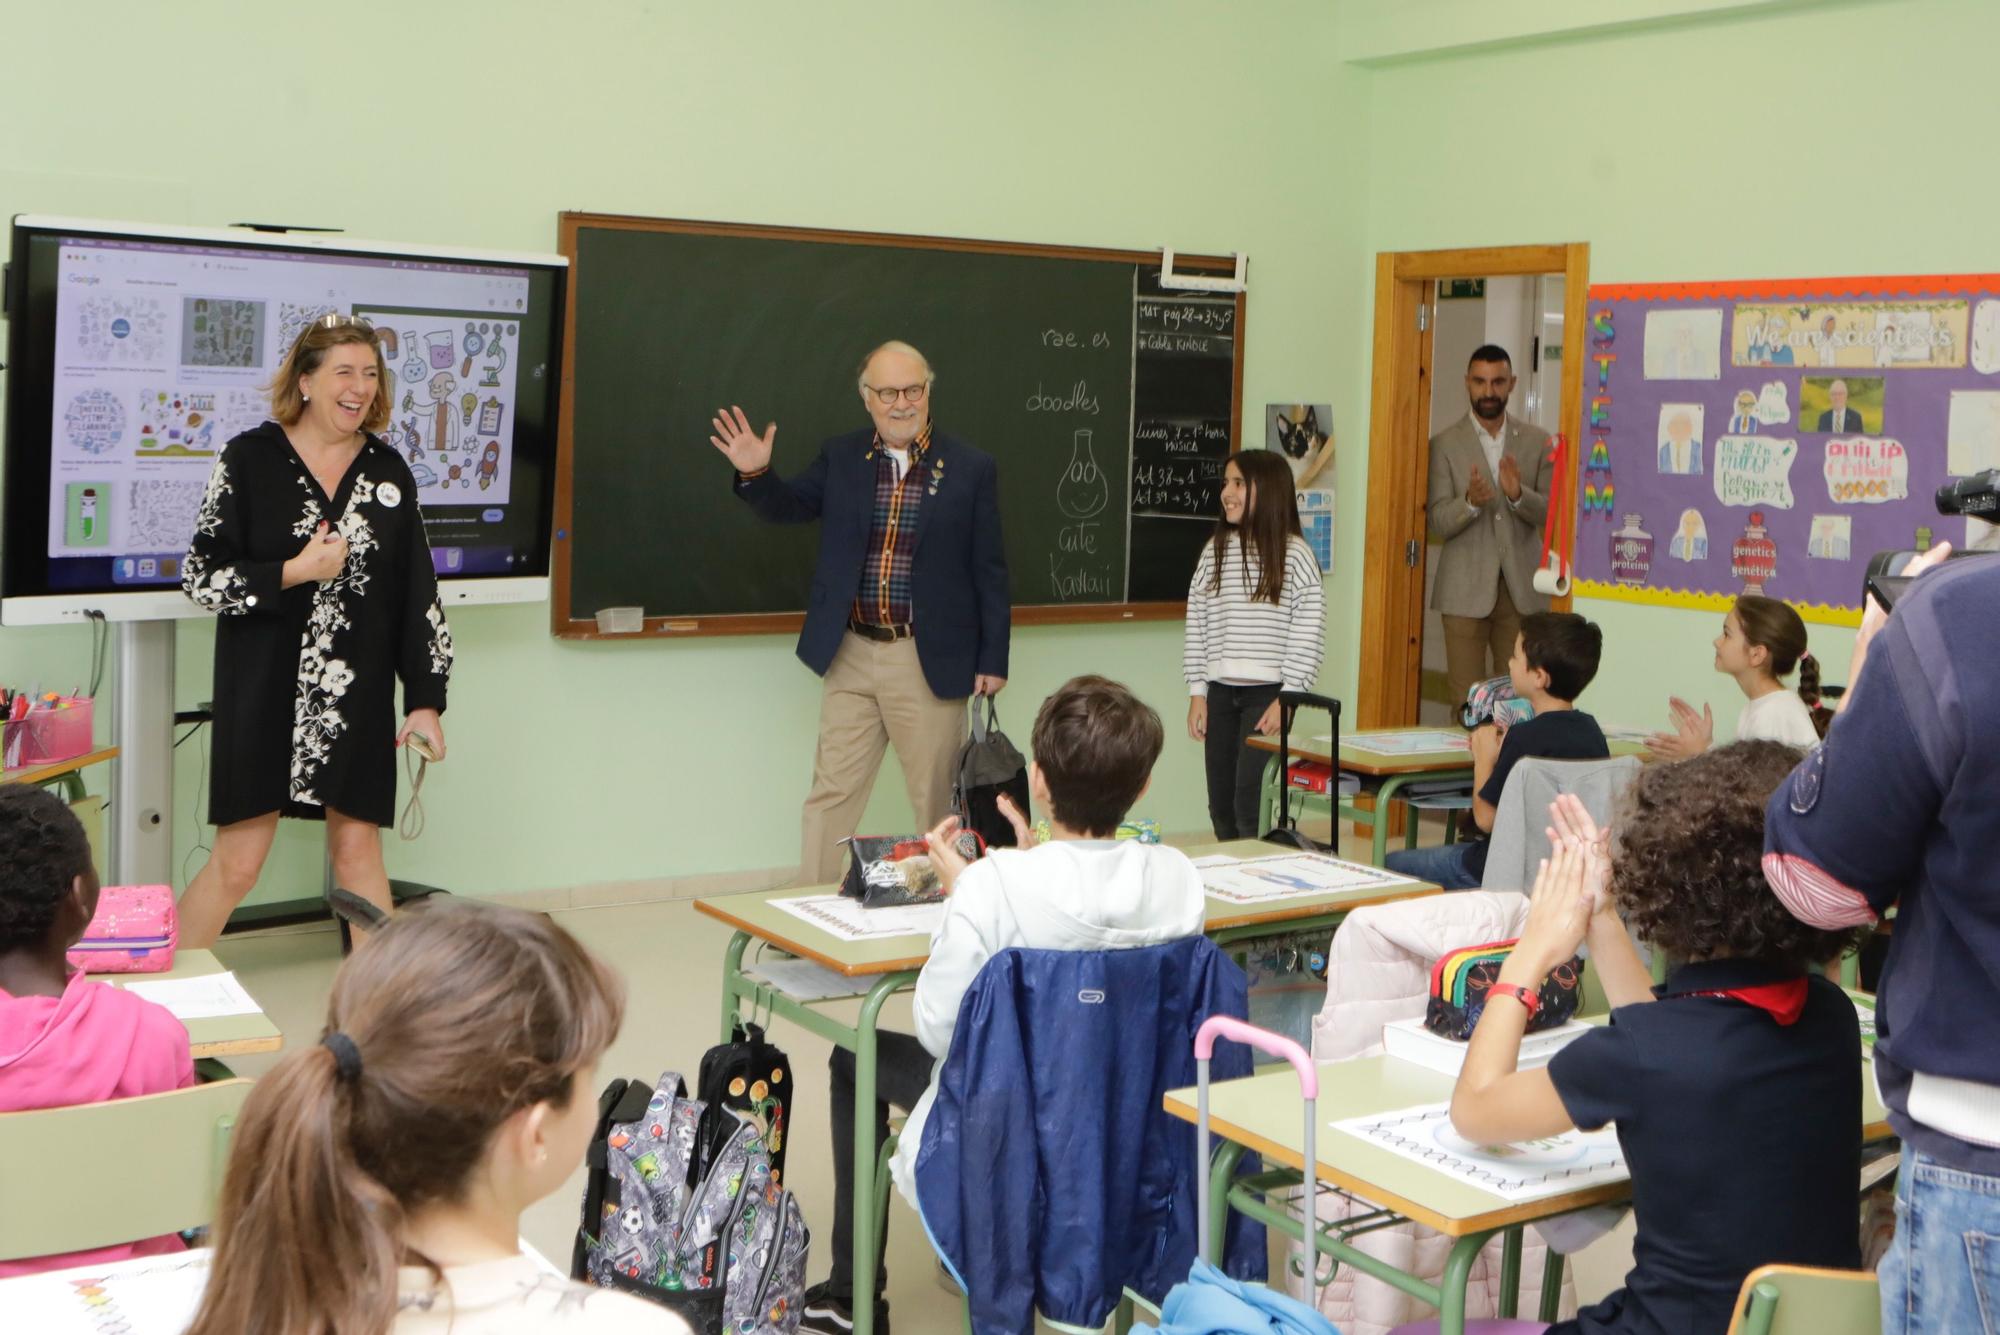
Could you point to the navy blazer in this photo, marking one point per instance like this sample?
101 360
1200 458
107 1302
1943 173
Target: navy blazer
958 570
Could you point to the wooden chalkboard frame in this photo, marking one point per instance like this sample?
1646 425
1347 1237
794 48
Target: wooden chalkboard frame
571 224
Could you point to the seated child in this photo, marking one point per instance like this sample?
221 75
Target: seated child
378 1176
1555 657
1762 640
1093 748
67 1039
1735 1085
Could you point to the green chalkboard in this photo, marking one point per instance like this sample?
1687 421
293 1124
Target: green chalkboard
1109 404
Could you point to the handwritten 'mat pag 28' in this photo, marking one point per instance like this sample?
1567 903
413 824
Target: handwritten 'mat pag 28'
1866 470
1755 471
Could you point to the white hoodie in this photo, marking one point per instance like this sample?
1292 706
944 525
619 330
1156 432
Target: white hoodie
1067 895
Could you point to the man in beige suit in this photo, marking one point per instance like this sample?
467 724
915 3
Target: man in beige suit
1489 496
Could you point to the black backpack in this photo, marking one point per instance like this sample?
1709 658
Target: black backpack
988 765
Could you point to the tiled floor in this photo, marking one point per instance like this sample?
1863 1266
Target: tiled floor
671 957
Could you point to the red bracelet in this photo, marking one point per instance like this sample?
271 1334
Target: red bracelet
1532 1000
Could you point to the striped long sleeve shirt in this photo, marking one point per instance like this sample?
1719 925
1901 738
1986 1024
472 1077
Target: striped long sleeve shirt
1234 639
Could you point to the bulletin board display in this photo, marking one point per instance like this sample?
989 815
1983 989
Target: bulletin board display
1769 437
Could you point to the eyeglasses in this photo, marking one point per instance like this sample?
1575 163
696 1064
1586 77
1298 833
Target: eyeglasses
335 320
886 395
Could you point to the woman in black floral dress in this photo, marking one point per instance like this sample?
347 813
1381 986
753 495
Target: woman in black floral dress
310 547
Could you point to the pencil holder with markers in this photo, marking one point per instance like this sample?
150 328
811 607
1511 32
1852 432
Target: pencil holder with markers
53 729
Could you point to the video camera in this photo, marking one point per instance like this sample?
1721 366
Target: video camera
1978 495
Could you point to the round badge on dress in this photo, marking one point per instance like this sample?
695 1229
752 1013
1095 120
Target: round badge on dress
389 494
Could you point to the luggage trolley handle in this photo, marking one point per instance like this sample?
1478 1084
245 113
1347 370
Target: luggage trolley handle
1277 1045
1289 704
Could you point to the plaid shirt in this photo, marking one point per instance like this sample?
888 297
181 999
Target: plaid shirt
884 597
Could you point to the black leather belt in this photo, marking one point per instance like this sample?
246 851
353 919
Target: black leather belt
880 634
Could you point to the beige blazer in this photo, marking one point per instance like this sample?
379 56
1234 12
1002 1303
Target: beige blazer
1477 556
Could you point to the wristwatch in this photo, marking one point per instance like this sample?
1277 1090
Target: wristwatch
1531 999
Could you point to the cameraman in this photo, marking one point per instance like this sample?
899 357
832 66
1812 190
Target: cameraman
1901 806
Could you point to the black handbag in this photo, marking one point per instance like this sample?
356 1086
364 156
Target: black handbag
989 765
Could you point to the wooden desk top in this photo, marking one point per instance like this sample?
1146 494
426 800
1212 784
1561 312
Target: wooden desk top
1266 1113
754 912
214 1036
1311 746
56 769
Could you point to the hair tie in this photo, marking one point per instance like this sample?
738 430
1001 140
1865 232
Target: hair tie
346 1057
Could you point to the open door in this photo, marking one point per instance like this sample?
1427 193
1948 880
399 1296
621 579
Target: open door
1392 589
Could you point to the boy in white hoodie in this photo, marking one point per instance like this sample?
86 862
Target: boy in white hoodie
1094 747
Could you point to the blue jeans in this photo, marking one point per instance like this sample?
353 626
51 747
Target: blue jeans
1942 1274
1444 865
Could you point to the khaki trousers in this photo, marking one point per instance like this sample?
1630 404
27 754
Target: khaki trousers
1468 639
874 694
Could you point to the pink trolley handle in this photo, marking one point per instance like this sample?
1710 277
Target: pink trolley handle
1277 1045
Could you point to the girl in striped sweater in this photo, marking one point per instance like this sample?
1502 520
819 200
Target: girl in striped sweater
1256 624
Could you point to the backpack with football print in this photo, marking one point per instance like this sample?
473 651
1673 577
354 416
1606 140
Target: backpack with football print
682 1205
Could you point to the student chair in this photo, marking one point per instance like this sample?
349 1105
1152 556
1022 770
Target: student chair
1521 821
1799 1300
1051 1101
99 1174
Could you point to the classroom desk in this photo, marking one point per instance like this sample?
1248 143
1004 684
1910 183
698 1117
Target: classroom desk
1382 777
67 772
887 965
1265 1113
216 1036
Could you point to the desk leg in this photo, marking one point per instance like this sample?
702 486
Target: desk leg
1274 793
1222 1172
1383 796
1552 1285
1457 1271
1510 1273
732 982
865 1150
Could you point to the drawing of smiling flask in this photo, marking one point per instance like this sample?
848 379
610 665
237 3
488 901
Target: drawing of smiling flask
1084 490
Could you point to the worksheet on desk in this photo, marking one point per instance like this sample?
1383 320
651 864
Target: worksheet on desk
1525 1171
155 1296
1290 876
1415 742
206 996
840 916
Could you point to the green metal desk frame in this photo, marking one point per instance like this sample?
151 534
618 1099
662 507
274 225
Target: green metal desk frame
1251 1197
860 1039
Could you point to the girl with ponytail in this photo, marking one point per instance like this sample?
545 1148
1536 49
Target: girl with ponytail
1762 640
377 1178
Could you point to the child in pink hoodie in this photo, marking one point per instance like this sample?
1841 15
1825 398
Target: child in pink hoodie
65 1039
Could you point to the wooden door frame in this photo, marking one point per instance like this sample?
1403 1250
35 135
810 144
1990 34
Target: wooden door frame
1388 690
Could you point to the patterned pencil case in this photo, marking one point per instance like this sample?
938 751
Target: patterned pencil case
134 930
1459 982
888 871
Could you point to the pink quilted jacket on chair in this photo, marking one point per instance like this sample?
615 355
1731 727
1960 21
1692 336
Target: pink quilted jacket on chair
1379 970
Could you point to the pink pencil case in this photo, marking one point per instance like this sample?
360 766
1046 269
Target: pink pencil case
135 931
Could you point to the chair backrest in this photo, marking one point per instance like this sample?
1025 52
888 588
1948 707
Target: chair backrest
1049 1175
1520 822
99 1174
1799 1300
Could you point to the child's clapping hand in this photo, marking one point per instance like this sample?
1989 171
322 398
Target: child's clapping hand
1574 827
1558 917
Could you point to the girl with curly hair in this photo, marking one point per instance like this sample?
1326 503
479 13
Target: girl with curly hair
1735 1085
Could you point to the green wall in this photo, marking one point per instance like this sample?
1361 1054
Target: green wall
1130 124
1679 151
1690 153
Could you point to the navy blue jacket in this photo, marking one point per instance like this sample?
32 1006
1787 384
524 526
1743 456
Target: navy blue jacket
1049 1176
1901 805
958 572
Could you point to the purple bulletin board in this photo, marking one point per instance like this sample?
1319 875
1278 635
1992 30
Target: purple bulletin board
1771 436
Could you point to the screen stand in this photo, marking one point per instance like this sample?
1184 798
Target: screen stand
142 778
